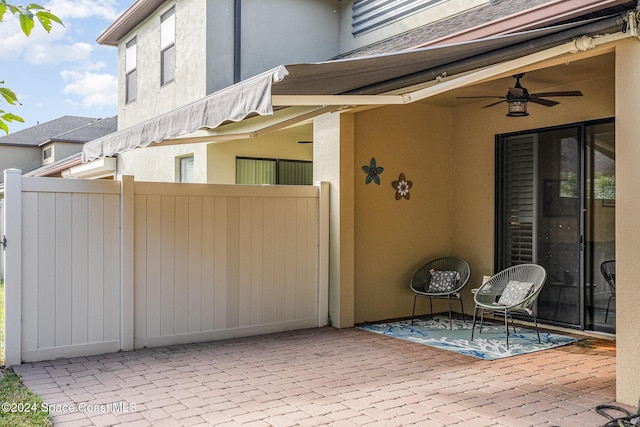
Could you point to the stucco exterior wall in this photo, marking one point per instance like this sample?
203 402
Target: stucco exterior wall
394 237
295 31
627 222
159 163
221 164
190 81
333 160
24 158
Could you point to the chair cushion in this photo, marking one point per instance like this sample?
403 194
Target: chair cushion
515 292
443 281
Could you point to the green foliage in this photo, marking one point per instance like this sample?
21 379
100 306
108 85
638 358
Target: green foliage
605 186
13 392
27 15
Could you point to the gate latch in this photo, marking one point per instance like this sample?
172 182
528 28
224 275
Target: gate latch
3 242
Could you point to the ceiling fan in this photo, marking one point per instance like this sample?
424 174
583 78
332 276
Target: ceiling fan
517 98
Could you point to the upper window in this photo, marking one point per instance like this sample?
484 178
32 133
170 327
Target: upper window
130 65
47 154
167 47
369 15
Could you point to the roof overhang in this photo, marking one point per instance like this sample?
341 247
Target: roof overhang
96 169
396 78
131 18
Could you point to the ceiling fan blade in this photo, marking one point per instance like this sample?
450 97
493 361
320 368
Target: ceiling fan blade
516 91
480 97
495 103
552 94
545 102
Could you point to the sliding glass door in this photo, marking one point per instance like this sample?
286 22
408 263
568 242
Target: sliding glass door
549 191
600 244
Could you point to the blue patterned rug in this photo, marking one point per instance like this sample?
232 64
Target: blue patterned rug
491 344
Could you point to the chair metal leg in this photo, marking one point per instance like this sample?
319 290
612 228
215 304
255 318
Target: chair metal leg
506 326
607 313
512 324
481 319
473 327
535 321
413 313
462 308
450 320
431 306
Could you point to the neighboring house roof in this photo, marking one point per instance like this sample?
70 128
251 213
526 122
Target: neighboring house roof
487 17
76 129
90 131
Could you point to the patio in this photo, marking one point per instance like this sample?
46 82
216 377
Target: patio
326 376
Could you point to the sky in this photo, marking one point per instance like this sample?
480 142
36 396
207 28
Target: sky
64 72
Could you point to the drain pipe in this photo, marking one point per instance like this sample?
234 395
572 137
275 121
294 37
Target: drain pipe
237 42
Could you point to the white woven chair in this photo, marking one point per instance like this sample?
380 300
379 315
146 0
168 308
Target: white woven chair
502 293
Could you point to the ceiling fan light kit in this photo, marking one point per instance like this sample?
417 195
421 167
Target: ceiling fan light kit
518 97
517 108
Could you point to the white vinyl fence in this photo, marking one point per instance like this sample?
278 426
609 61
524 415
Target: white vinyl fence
100 266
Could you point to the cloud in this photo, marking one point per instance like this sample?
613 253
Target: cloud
81 9
94 90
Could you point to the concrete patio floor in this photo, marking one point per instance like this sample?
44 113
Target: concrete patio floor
325 377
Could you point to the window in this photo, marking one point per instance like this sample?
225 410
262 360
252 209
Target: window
167 47
130 64
185 169
369 15
47 153
273 171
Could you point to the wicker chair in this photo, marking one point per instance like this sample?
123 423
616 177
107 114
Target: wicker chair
517 298
608 269
421 283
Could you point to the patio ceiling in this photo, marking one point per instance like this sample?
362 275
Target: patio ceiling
570 74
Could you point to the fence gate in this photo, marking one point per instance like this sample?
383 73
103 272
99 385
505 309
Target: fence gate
62 252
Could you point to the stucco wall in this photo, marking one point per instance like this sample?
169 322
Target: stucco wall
190 81
24 158
158 163
394 237
627 222
221 163
274 32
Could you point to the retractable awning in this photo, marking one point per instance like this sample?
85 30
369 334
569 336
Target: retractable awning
232 104
393 78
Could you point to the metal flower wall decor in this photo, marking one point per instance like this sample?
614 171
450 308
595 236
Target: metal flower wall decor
402 187
373 171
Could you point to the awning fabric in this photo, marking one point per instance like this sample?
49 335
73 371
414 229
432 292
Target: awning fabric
382 73
232 104
371 75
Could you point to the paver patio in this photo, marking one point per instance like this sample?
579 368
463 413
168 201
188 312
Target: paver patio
325 377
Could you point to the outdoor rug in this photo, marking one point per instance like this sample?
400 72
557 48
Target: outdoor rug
491 344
